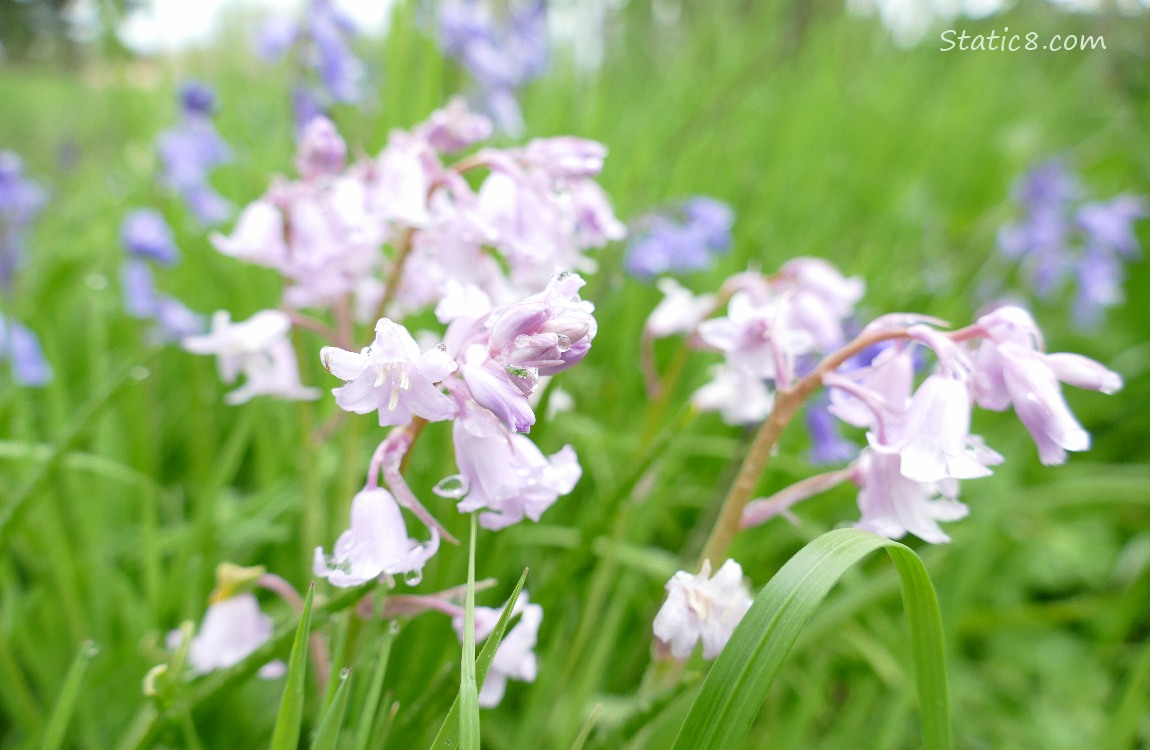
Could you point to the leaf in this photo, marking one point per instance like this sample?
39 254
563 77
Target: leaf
448 736
585 732
328 734
468 691
733 691
286 735
66 702
375 690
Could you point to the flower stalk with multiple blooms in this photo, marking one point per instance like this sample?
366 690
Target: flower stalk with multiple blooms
919 444
380 239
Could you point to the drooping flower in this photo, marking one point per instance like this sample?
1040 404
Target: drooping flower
393 377
1011 369
376 544
19 345
680 311
505 474
21 200
500 50
893 505
146 235
702 607
231 629
515 658
684 238
191 150
259 349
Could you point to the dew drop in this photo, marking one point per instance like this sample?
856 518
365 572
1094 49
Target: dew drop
452 487
96 281
343 673
564 343
139 373
393 626
90 649
413 577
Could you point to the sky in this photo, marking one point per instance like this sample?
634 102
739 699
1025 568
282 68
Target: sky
171 25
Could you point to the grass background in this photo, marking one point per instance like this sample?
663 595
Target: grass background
826 138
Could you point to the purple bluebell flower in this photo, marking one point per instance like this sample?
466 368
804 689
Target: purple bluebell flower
684 239
20 200
146 235
1061 238
828 446
191 150
321 42
500 51
19 345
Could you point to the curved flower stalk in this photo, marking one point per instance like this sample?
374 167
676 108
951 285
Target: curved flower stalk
919 445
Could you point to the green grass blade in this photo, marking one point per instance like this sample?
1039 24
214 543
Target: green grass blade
585 732
328 734
370 707
286 736
734 689
468 691
448 736
66 703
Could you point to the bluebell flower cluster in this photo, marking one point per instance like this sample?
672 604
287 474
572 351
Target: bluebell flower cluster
21 200
148 241
501 49
1063 238
191 150
684 239
321 43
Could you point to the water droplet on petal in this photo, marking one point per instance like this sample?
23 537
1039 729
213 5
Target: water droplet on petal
413 577
452 487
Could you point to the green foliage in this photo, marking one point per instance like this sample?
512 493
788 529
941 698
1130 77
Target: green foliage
125 481
732 693
290 715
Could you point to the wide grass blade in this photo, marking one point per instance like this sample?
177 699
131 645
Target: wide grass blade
286 736
66 703
328 734
448 736
734 689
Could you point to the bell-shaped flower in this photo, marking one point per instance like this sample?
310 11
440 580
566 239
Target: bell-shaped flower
759 336
505 473
231 630
515 658
19 345
376 544
145 234
679 311
892 504
883 390
934 440
499 389
259 349
392 376
547 332
1010 369
321 152
455 127
820 299
258 236
702 607
739 396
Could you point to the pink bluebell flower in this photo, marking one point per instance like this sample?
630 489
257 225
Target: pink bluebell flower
392 377
231 630
376 544
515 658
702 607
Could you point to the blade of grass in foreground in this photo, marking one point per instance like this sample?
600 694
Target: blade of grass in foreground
286 736
66 703
448 736
328 734
468 691
734 689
